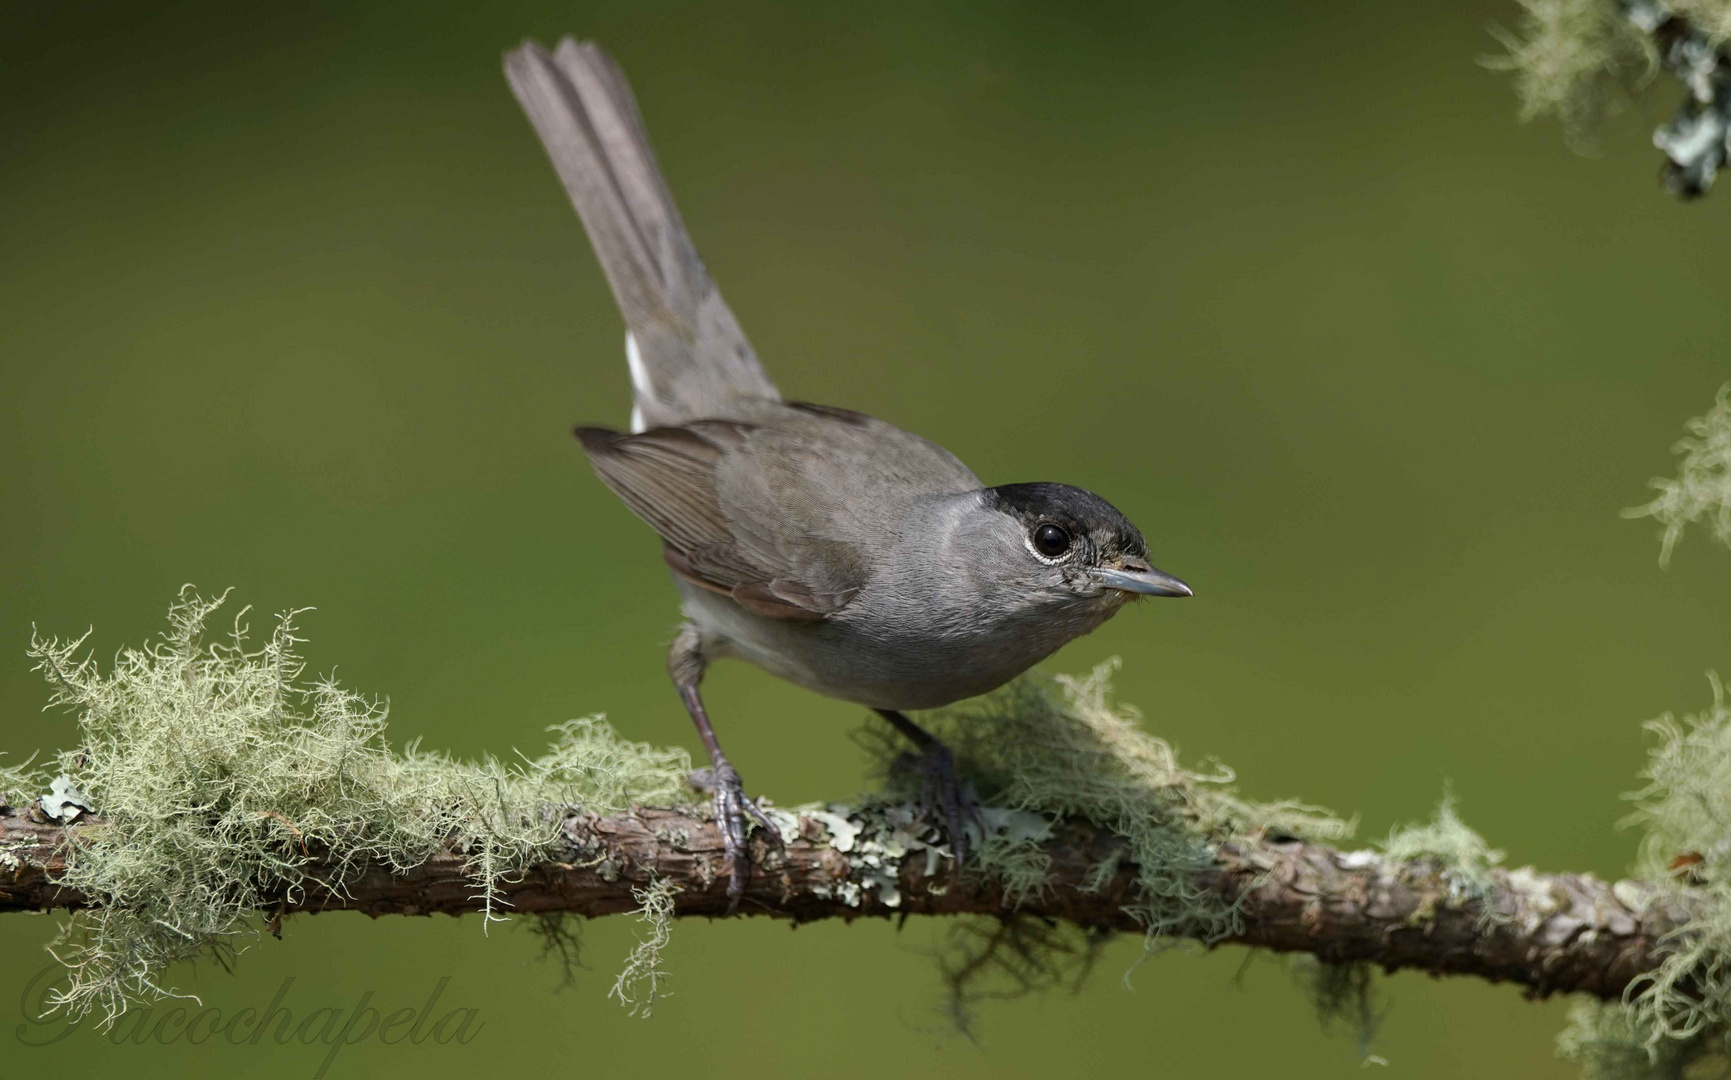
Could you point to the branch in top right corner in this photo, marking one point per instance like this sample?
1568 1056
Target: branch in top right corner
1569 54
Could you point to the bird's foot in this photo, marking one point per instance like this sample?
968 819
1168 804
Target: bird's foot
944 800
734 813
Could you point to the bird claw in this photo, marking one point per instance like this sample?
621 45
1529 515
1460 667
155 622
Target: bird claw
734 812
944 800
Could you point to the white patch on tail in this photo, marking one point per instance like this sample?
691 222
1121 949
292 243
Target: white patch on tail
639 381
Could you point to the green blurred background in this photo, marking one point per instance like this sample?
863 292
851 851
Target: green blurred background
292 302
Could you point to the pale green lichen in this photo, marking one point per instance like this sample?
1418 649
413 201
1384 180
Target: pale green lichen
1608 1042
1577 59
639 984
1565 58
1676 1020
1059 748
881 835
1463 855
222 777
20 783
1701 491
1685 811
1686 804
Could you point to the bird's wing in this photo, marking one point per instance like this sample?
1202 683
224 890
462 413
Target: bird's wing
688 356
726 522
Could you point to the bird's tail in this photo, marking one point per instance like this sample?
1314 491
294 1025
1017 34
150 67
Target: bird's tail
689 359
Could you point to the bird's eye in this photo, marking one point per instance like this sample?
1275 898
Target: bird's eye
1051 541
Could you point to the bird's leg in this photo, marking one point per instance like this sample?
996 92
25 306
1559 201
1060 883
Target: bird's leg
942 799
685 663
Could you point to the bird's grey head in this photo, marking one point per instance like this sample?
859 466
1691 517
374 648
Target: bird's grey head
1062 546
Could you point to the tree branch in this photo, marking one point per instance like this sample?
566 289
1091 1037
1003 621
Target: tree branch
1695 140
1547 932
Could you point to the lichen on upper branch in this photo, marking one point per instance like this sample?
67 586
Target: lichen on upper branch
1565 57
1577 59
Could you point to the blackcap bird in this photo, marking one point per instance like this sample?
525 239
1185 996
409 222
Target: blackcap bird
823 545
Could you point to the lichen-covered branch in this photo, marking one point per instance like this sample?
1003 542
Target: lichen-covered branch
1572 54
1547 932
211 791
1695 140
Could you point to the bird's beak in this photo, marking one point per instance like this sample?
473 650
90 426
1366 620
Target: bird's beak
1142 579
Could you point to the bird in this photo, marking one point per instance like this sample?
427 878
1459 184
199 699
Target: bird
825 546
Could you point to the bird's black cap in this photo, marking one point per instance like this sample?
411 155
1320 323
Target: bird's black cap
1080 511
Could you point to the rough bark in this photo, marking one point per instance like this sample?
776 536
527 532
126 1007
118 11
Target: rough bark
1547 932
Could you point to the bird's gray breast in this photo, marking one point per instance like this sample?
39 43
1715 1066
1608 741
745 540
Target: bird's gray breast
933 624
